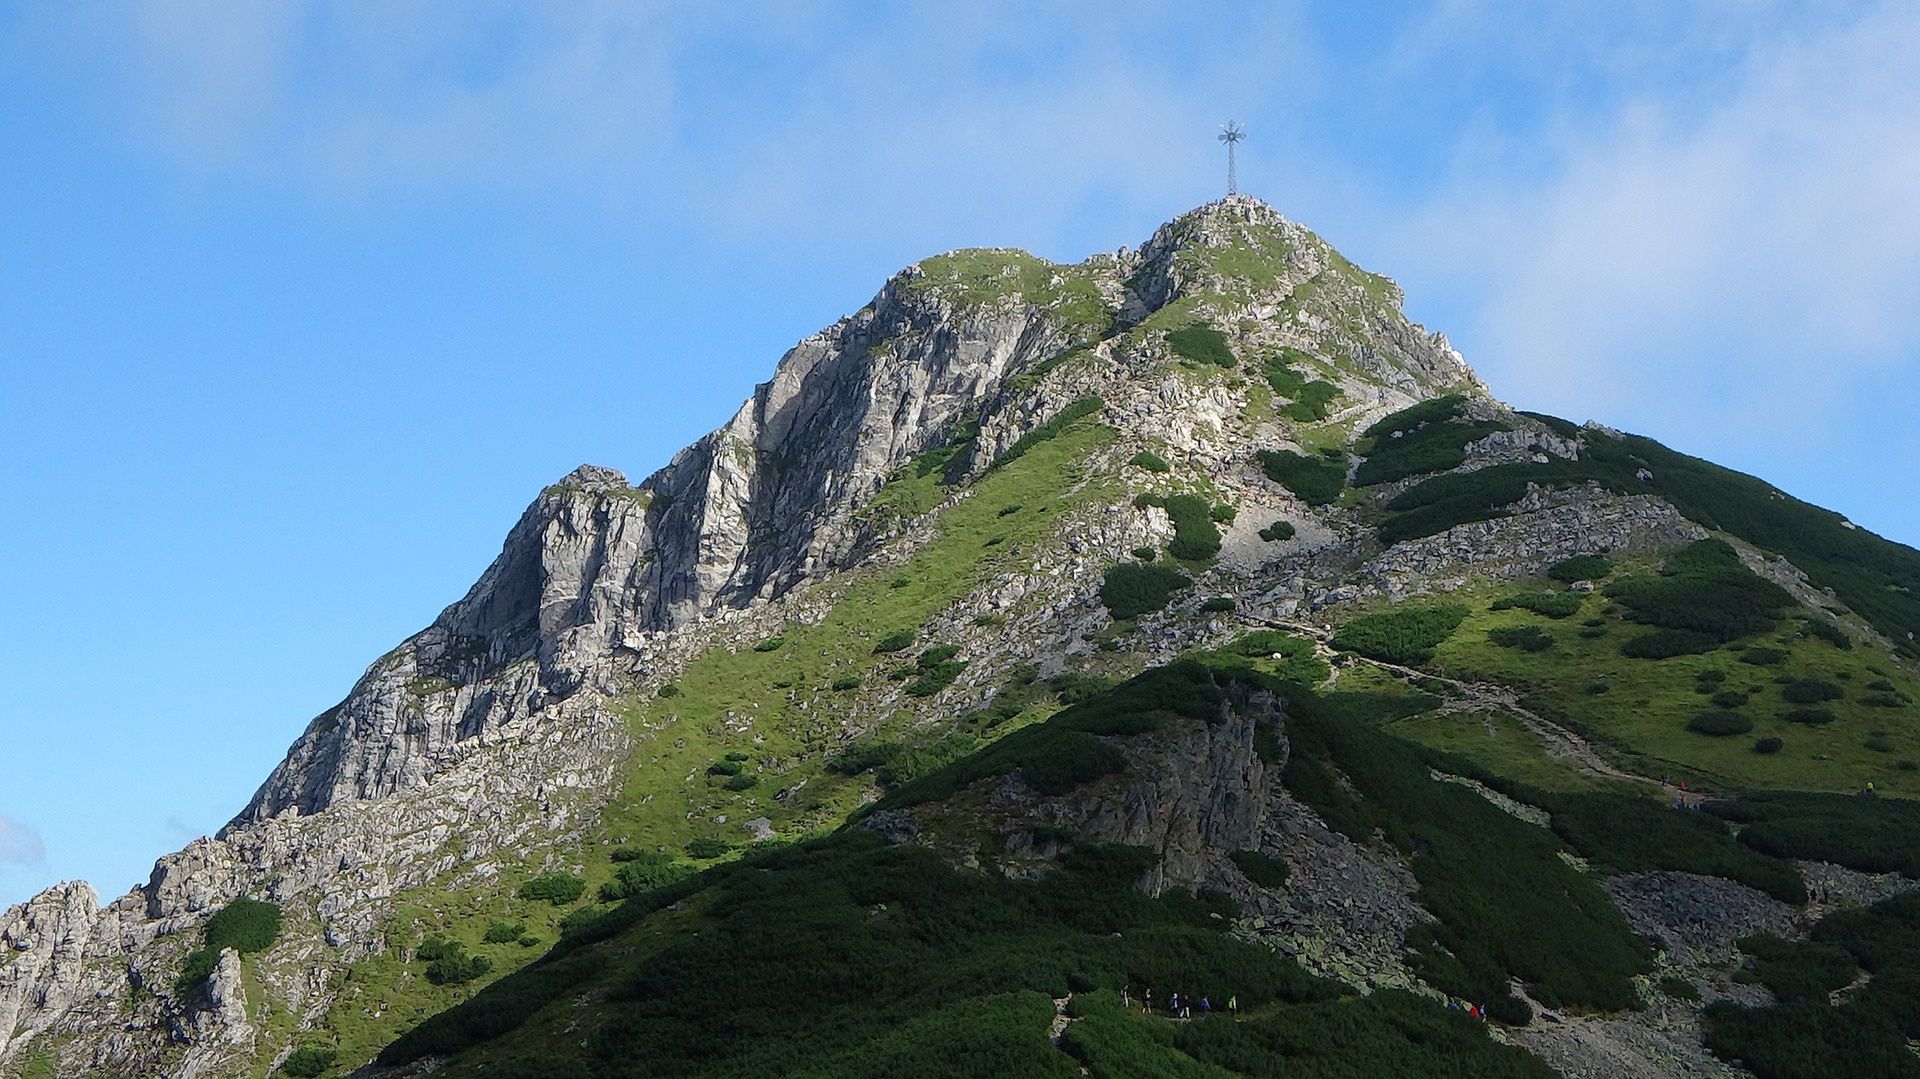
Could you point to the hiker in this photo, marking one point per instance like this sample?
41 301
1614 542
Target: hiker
1125 1000
1147 1006
1205 1005
1173 1004
1233 1004
1186 1008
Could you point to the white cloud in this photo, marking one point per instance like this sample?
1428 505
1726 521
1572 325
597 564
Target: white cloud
1753 256
20 844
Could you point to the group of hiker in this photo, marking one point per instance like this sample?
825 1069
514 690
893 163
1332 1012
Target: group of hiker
1178 1006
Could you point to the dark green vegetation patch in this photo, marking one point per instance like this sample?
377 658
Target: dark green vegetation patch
1317 480
1872 835
1308 399
865 959
1586 567
1196 535
1550 604
1277 531
1808 1036
1201 343
1150 461
1132 589
245 925
556 888
1703 588
1527 638
1404 635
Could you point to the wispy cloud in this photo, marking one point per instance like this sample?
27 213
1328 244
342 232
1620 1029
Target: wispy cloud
20 844
1751 254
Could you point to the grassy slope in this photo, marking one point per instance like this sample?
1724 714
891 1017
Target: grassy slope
1645 710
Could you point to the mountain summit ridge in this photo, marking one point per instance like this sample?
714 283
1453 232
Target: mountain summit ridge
1230 376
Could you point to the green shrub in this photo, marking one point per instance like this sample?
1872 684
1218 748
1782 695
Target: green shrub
1805 1033
1317 480
1711 676
1586 567
1885 700
1810 691
1150 461
725 768
1264 870
556 888
846 682
771 644
1667 643
1720 724
1217 604
1145 554
198 967
1679 988
1730 698
668 689
1879 743
308 1062
706 847
895 641
640 878
1405 635
1435 447
1201 343
1828 632
1278 530
1763 657
1768 746
1132 589
1812 717
1085 406
245 925
504 932
1873 835
1703 588
1550 604
1311 402
1626 833
1529 638
1223 514
1195 538
457 967
744 781
1510 1010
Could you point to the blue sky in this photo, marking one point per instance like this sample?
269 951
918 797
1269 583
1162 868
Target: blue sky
301 303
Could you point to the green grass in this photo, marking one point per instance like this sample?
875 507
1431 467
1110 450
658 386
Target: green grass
1647 704
978 276
1061 421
